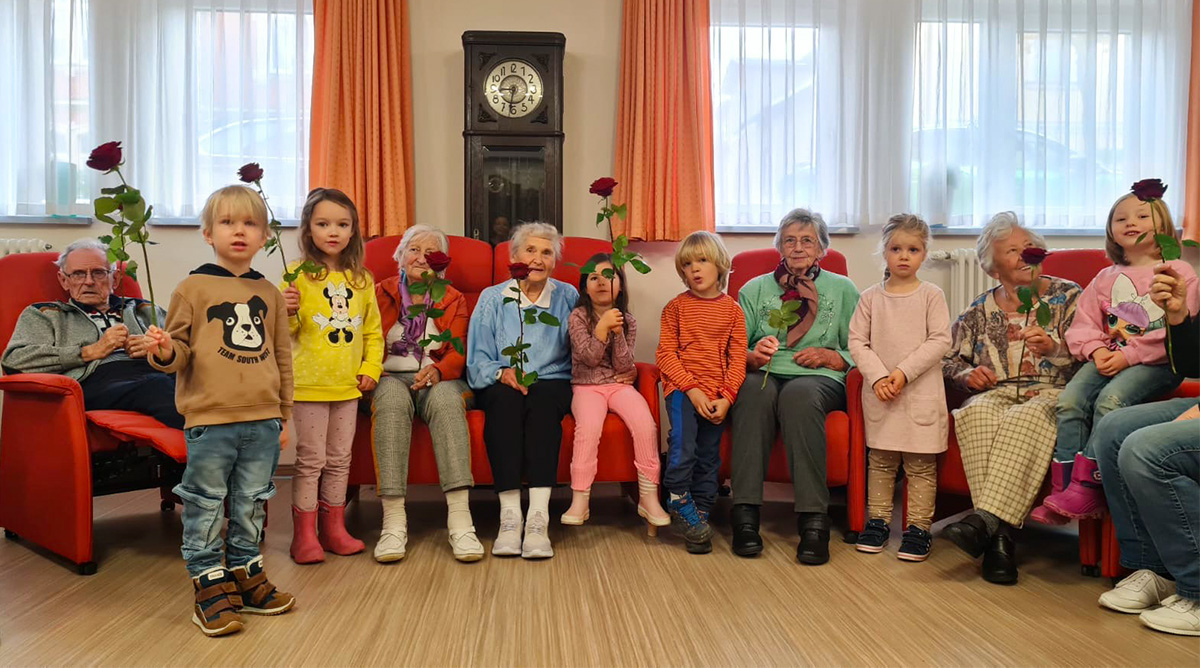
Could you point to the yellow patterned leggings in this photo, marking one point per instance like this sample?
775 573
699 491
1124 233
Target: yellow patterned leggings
921 470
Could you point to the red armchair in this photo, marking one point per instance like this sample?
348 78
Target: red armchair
476 266
845 454
55 456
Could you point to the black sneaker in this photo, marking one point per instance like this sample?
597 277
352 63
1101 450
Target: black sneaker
874 537
703 547
687 520
915 545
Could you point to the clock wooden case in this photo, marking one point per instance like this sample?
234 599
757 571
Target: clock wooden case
512 131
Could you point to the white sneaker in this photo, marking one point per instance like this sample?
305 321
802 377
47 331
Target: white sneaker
1177 615
466 545
1141 591
391 546
508 541
537 543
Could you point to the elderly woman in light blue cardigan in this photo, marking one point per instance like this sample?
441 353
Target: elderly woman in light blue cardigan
808 365
523 431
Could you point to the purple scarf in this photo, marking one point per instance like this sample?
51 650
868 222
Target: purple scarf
804 284
409 342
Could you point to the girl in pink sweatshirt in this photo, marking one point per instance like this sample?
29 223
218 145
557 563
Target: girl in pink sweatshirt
1121 335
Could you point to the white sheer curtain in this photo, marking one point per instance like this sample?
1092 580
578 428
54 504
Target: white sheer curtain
193 90
954 109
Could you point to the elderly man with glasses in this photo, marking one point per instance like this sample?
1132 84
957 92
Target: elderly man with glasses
94 337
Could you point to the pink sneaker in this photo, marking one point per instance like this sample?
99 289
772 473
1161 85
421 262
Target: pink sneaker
1060 477
1084 498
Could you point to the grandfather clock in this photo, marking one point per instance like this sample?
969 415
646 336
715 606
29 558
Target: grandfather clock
513 130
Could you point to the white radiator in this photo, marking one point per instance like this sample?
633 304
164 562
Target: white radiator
10 246
967 280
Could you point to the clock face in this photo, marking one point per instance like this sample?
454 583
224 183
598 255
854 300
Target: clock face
514 88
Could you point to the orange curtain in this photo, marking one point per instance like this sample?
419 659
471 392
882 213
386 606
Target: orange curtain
664 153
362 133
1191 202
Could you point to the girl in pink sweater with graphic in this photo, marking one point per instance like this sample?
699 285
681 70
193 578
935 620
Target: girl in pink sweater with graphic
1121 335
603 332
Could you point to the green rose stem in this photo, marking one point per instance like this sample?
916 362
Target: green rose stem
780 319
145 254
276 228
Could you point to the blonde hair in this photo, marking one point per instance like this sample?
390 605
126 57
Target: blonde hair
902 222
238 201
1161 220
706 245
351 257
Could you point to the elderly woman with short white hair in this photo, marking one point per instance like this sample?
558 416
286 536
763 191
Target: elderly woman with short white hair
1015 369
424 381
523 431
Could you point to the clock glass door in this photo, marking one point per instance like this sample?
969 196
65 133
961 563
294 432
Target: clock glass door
514 179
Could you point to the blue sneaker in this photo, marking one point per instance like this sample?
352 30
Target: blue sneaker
874 537
687 520
916 544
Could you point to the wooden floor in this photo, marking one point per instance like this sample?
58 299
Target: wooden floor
611 597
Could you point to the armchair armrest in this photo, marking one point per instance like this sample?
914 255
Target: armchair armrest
41 383
647 381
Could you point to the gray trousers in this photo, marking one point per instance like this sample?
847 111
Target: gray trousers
443 407
795 406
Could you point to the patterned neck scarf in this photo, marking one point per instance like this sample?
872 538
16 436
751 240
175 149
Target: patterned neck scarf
409 342
804 285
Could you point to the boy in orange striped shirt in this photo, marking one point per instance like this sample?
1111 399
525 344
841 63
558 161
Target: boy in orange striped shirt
702 357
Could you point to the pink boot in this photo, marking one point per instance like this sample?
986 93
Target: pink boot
1060 477
1084 498
333 535
305 547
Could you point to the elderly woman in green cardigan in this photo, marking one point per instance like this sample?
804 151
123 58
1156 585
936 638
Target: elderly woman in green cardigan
807 367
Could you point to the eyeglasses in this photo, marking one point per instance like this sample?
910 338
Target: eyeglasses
805 242
96 274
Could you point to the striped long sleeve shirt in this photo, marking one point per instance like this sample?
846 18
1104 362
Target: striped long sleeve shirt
702 344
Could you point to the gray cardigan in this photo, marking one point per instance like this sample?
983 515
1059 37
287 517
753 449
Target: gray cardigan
50 336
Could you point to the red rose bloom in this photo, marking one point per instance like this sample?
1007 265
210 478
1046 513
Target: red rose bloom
790 296
105 157
437 261
250 172
1148 189
603 187
518 270
1034 255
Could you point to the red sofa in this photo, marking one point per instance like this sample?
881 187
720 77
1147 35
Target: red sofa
475 266
55 456
845 454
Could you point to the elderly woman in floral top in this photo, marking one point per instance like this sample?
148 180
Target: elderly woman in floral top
1015 370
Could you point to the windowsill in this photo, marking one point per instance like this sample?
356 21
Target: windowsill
81 221
755 229
937 231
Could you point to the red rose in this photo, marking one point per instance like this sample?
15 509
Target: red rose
250 172
1034 255
437 261
1148 189
105 157
790 296
518 270
603 187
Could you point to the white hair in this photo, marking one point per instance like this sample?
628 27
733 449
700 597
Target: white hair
82 244
999 228
803 217
416 231
539 230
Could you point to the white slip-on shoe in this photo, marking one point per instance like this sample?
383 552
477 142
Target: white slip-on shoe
1142 590
508 541
392 546
1177 615
466 545
537 543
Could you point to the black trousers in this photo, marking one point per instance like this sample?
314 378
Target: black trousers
132 385
523 433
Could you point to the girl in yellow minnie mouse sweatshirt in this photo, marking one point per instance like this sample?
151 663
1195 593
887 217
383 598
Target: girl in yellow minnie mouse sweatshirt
337 347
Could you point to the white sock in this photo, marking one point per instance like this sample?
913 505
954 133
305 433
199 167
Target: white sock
458 510
395 518
539 500
672 496
510 500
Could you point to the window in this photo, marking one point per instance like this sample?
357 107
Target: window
1048 109
192 90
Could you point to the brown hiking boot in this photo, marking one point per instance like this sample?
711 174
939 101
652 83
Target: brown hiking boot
258 596
217 601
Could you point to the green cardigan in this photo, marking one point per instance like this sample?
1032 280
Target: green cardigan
836 304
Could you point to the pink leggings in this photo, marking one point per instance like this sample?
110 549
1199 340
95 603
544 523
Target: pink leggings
590 405
324 437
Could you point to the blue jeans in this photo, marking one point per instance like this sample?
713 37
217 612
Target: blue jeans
1090 396
227 461
693 452
1151 471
